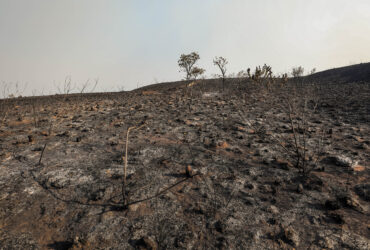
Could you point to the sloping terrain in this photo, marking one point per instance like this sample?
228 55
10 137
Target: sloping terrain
347 74
62 161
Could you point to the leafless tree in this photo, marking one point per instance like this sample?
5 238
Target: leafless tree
8 91
297 71
4 109
67 86
120 88
86 85
221 63
304 144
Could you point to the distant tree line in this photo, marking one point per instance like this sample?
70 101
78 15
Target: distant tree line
187 64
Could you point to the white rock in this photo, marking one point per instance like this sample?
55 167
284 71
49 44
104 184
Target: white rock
345 161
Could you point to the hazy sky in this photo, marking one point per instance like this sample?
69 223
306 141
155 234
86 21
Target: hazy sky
131 43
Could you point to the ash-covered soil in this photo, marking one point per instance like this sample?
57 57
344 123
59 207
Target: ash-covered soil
245 191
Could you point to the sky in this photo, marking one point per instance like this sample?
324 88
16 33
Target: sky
129 44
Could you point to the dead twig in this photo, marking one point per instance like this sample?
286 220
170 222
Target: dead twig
42 154
159 193
124 158
43 149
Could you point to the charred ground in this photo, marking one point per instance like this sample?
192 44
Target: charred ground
246 190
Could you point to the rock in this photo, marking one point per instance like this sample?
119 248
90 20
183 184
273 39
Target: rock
185 189
349 200
355 204
336 218
44 133
300 188
291 236
210 94
327 243
208 142
267 160
340 160
147 243
21 139
363 190
251 131
239 128
189 171
223 145
243 196
332 204
63 134
358 168
272 209
133 207
237 150
344 161
250 186
358 139
266 188
239 136
30 138
20 158
219 226
284 164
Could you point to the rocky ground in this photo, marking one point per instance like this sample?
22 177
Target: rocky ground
62 164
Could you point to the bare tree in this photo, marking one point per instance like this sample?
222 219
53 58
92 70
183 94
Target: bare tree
221 62
4 108
187 64
7 92
86 85
67 87
120 88
297 71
